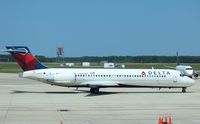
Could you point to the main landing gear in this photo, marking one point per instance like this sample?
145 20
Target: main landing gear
94 90
183 89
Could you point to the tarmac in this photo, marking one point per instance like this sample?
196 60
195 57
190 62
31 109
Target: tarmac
24 101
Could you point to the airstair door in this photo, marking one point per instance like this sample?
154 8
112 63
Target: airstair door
175 79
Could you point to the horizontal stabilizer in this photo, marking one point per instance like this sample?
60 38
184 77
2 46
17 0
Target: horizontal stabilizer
24 58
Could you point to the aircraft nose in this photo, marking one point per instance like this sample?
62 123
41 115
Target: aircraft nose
189 72
189 80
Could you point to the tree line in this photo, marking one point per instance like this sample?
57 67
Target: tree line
115 59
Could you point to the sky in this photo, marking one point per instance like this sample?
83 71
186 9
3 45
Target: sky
102 27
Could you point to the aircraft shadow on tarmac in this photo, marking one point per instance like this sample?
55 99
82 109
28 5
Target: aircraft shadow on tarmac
47 92
90 94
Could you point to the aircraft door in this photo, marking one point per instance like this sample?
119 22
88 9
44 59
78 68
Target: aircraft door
175 79
75 76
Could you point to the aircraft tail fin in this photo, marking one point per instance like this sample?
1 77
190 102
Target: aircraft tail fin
24 58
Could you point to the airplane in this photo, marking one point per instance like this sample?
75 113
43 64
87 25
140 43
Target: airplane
97 78
185 69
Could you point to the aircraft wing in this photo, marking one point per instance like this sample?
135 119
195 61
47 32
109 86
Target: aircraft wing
197 71
101 83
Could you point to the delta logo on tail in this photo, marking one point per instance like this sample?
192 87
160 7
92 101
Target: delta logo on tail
24 58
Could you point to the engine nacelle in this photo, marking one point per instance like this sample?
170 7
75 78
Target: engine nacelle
64 77
49 77
196 75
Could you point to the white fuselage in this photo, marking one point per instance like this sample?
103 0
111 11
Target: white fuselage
111 77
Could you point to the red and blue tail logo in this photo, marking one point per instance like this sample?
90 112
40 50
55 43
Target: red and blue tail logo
24 58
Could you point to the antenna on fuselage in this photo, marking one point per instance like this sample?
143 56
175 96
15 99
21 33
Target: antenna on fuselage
177 59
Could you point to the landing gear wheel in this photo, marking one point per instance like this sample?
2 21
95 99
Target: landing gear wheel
94 90
183 89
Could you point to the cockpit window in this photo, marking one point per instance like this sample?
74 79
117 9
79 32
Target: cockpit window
189 69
